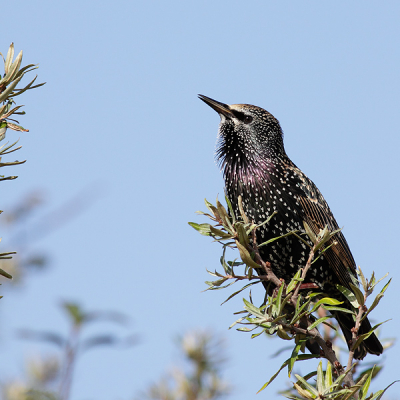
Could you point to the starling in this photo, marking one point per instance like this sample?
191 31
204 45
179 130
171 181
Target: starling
255 166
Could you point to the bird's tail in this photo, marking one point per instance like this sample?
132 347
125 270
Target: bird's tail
370 345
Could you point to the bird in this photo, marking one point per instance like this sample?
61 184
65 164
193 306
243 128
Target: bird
251 154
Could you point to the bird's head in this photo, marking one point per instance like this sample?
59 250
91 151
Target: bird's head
247 134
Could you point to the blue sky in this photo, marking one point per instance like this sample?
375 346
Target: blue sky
119 118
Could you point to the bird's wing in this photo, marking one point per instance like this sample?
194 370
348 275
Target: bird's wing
318 215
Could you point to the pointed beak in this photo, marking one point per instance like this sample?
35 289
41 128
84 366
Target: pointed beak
220 108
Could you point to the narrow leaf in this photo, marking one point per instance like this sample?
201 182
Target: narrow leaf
295 280
309 232
373 305
320 378
230 208
203 229
364 336
378 395
252 308
359 295
318 321
242 213
243 288
349 295
307 385
245 256
326 300
274 376
4 273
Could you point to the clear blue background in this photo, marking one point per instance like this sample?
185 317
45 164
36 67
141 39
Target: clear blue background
119 120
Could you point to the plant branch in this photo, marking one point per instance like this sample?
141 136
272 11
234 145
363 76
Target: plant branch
327 351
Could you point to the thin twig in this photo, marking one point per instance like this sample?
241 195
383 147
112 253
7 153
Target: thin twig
354 334
303 274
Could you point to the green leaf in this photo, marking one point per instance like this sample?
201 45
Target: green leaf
222 212
75 312
237 321
9 58
318 321
349 295
309 232
294 355
285 301
377 298
302 311
363 280
203 229
295 280
3 132
359 295
219 282
320 253
242 213
279 297
328 375
251 308
365 386
301 239
214 273
276 238
13 70
245 256
326 300
309 387
245 329
386 286
322 237
218 232
275 375
301 357
341 309
283 334
4 95
250 228
254 335
243 288
373 305
213 209
364 336
241 231
320 379
4 273
378 395
230 208
303 393
268 219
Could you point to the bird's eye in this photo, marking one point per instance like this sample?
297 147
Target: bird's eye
247 119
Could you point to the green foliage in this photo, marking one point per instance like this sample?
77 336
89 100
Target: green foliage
288 312
13 74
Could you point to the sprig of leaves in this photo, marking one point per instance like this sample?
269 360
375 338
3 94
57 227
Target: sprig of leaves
287 313
13 74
